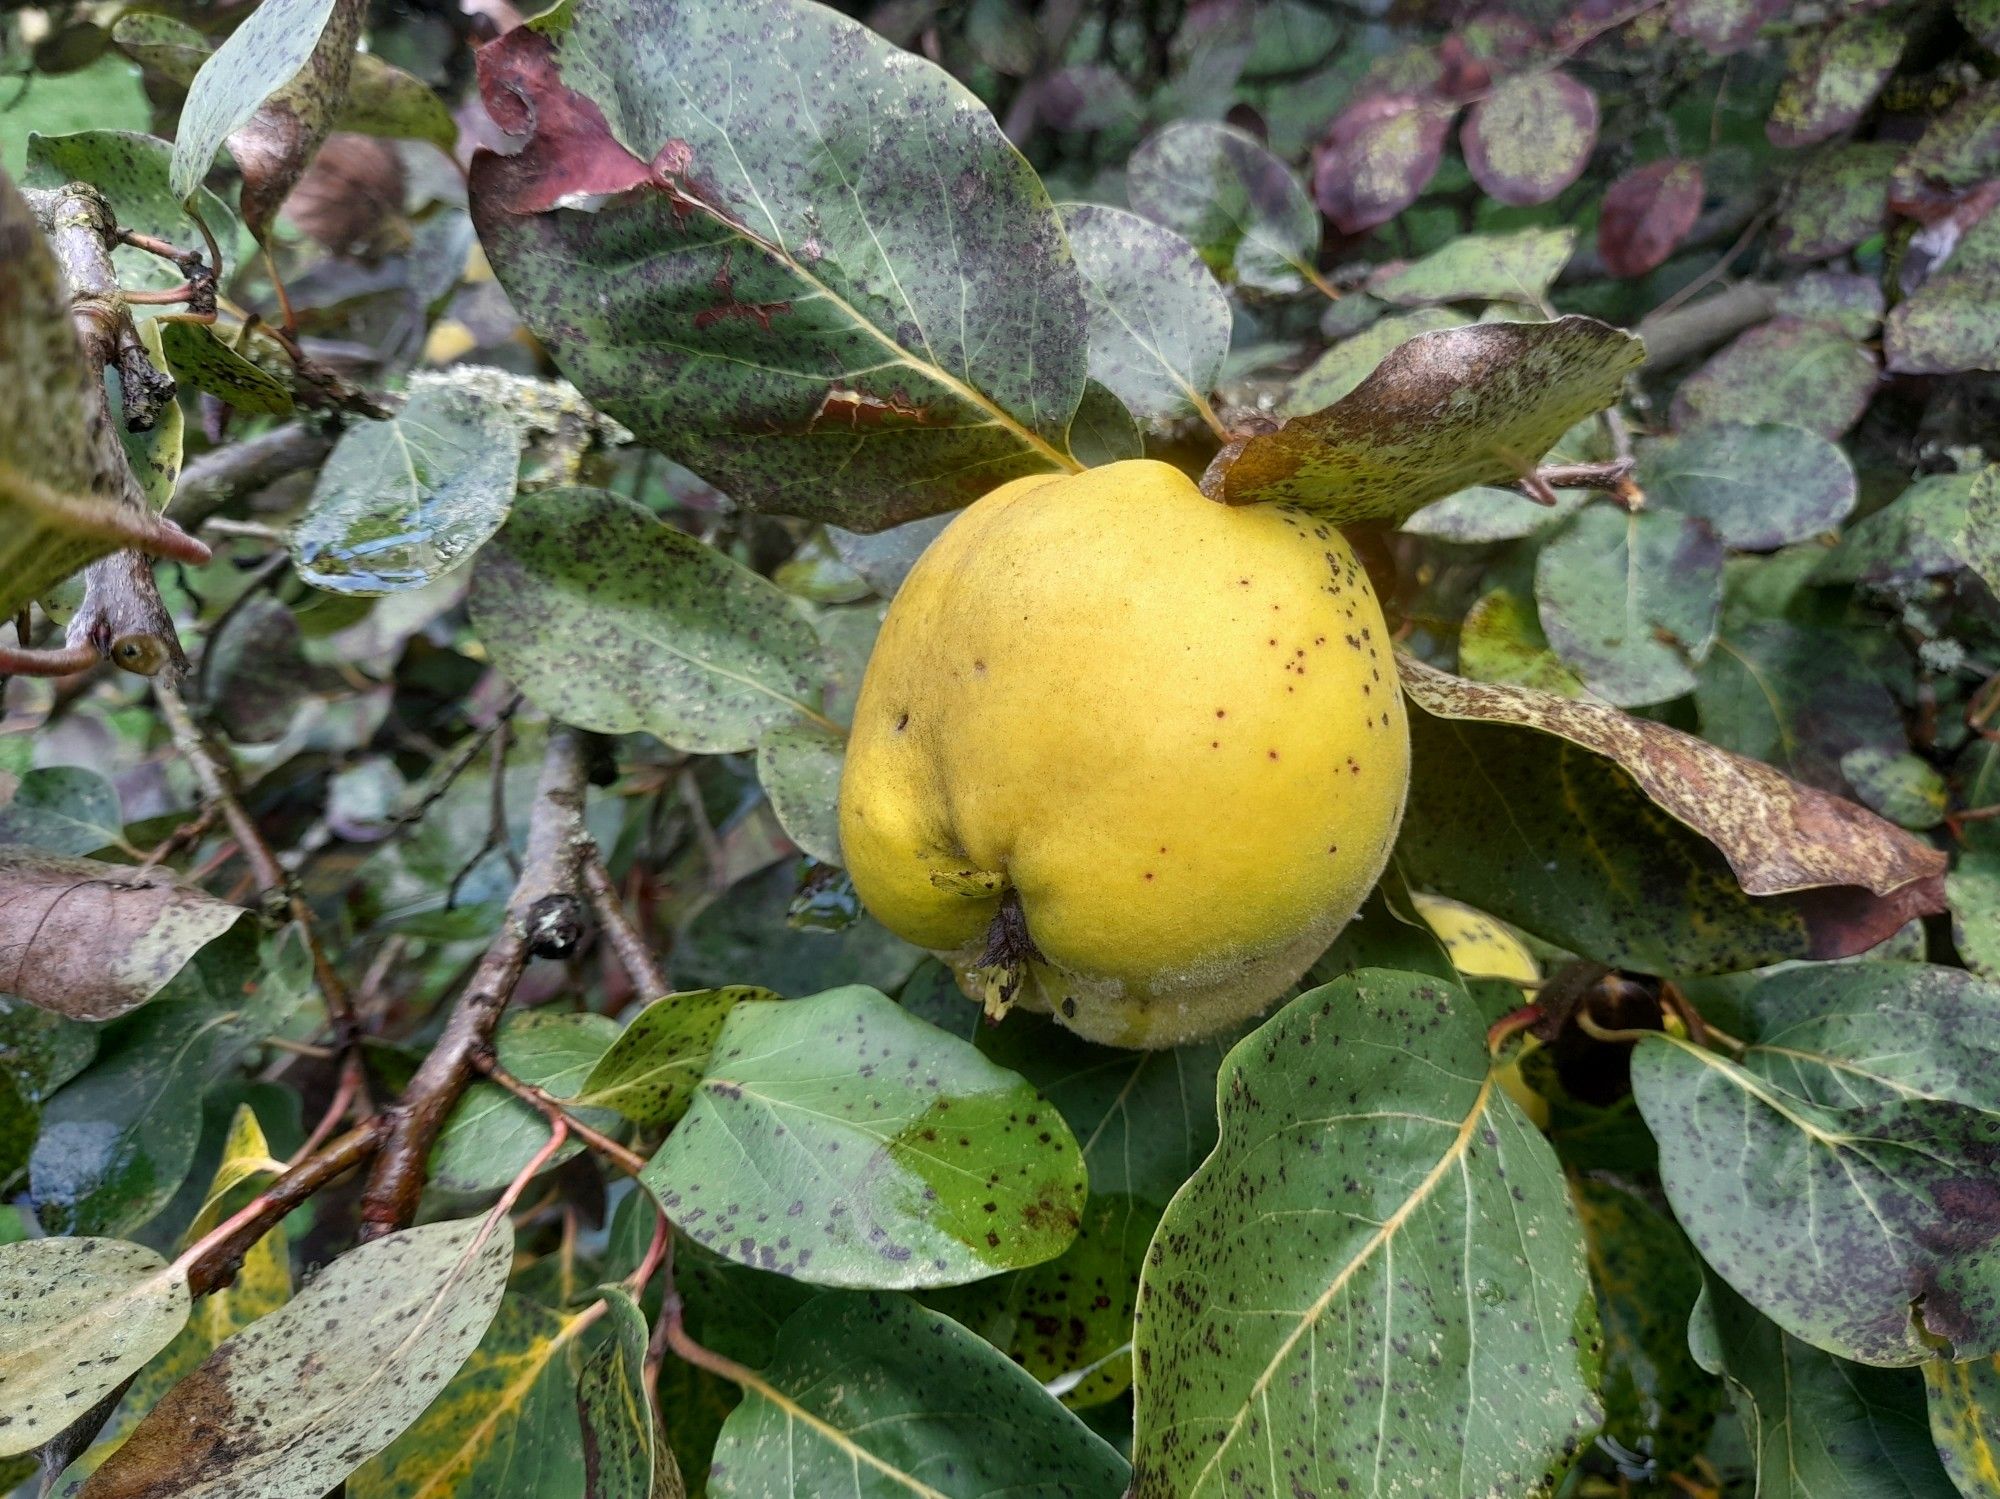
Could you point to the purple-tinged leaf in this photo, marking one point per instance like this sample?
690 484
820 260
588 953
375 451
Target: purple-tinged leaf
1647 213
1378 156
1531 137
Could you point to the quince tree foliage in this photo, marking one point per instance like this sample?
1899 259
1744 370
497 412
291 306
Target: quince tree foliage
1013 747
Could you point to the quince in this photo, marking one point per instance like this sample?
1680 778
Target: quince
1126 754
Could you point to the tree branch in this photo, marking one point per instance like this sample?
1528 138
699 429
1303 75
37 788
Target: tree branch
212 1263
1679 335
634 954
534 924
217 480
121 617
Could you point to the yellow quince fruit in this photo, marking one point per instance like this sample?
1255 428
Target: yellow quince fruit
1126 754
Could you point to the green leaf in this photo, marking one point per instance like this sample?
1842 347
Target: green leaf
849 1404
1103 431
799 766
505 1424
1518 267
1159 323
39 1052
66 809
1973 891
1483 514
1501 640
1446 410
1834 77
1964 1402
297 1401
92 940
1631 601
1903 787
1429 1251
1846 300
1840 198
491 1136
76 1317
119 1139
886 557
64 481
1235 202
842 1141
208 364
1345 365
1839 1174
1919 534
1818 1427
154 453
384 100
625 1454
260 58
1640 846
1978 536
171 48
1786 370
1657 1399
883 326
609 620
1765 692
400 503
649 1073
131 169
1758 487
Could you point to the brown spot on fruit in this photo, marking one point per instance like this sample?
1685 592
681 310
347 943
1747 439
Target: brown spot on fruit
902 722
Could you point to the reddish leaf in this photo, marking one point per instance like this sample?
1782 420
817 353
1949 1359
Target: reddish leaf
1379 154
1531 137
1722 26
1647 213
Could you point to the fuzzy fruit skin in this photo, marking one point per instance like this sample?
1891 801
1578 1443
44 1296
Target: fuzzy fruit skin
1171 726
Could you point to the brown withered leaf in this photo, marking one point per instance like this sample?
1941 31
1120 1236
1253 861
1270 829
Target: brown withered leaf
1479 404
277 145
1634 843
91 940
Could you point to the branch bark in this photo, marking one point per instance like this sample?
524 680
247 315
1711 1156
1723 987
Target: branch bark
122 616
551 873
1676 336
217 480
634 954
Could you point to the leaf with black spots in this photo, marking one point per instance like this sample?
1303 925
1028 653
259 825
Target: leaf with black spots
1722 26
76 1317
612 621
798 766
1841 1173
650 1072
1638 845
66 809
882 326
1448 409
131 170
296 1402
1429 1251
842 1141
626 1454
1839 199
505 1423
1964 1402
846 1407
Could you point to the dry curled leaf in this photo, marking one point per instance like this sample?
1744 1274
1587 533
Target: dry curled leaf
1777 835
91 940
